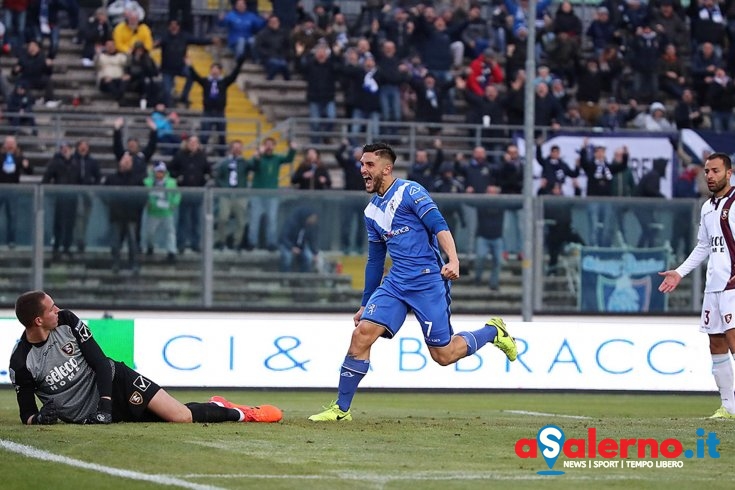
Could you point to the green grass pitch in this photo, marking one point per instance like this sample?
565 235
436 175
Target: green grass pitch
396 441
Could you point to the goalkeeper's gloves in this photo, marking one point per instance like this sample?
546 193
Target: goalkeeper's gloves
103 415
46 416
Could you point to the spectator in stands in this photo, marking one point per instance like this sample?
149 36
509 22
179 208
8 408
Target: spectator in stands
634 15
434 42
287 11
118 10
190 168
589 91
671 74
650 186
721 99
368 98
320 71
602 31
89 174
125 210
338 31
300 240
311 172
562 45
111 76
431 101
515 56
15 21
140 157
484 71
559 92
242 26
14 164
559 231
266 170
599 183
489 240
480 177
306 34
94 34
572 118
514 101
510 179
34 69
671 27
654 120
47 13
477 35
709 24
20 108
352 208
180 11
687 113
447 182
610 64
644 56
704 63
131 30
613 118
486 110
166 122
173 46
62 169
554 170
214 100
273 46
684 187
548 110
399 31
349 82
163 200
142 72
424 171
391 75
232 173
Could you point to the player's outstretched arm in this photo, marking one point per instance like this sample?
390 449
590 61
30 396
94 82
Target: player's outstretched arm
671 280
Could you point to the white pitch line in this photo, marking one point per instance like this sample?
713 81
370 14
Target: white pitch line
32 452
543 414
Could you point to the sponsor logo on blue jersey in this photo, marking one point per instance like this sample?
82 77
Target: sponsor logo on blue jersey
393 233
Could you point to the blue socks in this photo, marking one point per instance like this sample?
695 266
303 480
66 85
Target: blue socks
352 372
475 340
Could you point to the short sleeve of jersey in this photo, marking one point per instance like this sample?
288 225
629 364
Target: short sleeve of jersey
418 199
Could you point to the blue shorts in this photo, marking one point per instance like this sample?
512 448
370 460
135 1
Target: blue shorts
389 306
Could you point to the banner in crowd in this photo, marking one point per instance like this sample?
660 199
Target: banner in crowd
306 351
620 280
643 149
698 142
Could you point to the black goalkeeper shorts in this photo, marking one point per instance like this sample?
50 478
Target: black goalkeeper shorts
131 393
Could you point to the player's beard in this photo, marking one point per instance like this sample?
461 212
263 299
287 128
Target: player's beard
717 186
373 184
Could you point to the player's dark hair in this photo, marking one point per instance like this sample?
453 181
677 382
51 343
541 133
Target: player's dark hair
382 150
28 307
722 156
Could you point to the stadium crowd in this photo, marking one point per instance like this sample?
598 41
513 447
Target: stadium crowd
396 61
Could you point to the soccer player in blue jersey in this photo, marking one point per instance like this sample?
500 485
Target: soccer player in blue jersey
403 219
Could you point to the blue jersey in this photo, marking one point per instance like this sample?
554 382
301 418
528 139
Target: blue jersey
395 218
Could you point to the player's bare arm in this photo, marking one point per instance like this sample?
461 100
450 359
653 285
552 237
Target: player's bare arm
450 271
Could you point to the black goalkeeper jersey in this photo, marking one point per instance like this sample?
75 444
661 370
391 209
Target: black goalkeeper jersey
68 368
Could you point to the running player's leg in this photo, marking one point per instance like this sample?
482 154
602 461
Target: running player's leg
431 307
383 316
